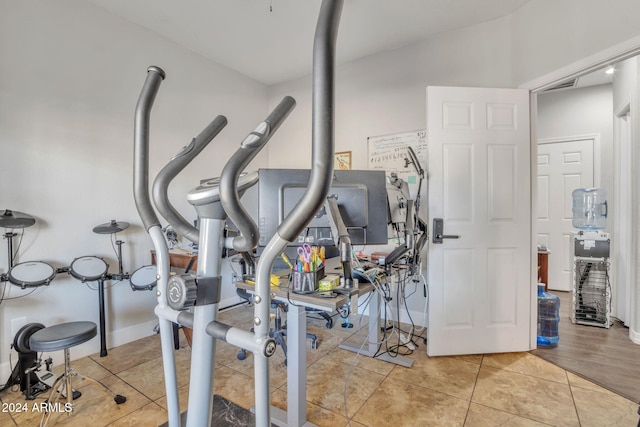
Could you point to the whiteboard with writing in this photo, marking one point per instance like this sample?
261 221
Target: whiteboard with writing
388 152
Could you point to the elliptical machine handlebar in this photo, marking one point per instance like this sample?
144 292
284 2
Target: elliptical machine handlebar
319 184
175 166
229 196
323 113
155 75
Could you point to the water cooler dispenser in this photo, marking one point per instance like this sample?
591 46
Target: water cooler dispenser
590 250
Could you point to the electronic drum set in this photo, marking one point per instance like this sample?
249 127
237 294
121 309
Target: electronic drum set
32 274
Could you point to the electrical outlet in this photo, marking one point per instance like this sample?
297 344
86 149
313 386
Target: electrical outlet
234 278
16 324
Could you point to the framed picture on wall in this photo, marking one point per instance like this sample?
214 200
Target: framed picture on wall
342 160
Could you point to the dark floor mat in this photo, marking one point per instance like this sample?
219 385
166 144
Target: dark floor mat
226 414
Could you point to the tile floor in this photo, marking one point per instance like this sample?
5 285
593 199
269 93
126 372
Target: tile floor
515 389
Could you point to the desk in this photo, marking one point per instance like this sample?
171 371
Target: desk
296 414
371 349
543 268
179 260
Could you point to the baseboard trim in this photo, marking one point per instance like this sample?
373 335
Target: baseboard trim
114 339
634 336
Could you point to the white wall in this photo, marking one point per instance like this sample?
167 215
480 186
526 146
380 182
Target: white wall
624 82
583 111
550 35
385 93
70 76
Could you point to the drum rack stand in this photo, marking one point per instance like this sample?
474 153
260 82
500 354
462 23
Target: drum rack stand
121 275
9 235
101 305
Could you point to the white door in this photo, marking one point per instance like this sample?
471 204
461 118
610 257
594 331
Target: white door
562 167
480 289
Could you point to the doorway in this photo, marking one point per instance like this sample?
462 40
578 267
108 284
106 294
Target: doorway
580 105
625 207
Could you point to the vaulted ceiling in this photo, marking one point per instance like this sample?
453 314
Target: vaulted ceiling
271 40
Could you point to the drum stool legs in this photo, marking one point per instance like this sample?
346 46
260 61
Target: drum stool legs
62 337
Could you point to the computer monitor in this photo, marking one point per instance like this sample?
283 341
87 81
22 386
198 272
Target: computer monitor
361 197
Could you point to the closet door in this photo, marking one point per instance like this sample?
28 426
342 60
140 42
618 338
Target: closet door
563 166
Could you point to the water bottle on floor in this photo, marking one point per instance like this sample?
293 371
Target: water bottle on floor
548 318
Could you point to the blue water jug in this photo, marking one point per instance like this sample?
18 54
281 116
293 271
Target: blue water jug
590 208
548 318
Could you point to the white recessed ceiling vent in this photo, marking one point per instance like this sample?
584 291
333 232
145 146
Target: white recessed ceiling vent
564 85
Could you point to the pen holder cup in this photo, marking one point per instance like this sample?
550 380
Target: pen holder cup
306 283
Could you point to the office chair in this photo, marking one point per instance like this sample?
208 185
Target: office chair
278 332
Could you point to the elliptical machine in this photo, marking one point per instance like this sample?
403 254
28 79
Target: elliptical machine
214 200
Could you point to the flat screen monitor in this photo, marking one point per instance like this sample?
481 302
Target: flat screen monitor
361 197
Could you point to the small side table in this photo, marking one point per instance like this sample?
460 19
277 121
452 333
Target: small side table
543 268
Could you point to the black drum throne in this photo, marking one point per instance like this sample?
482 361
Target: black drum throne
62 337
